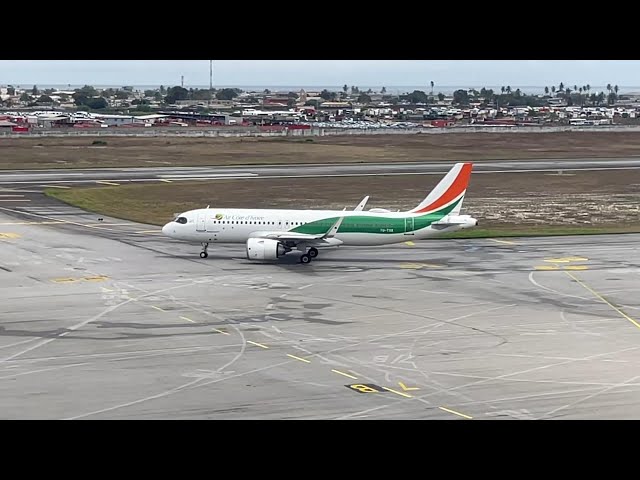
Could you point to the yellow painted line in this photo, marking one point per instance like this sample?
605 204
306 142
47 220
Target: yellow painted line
405 388
30 223
164 180
397 392
257 344
345 374
54 186
64 280
220 331
298 358
158 308
503 241
104 182
15 200
417 266
97 278
546 267
576 267
566 259
106 289
411 244
187 319
9 235
455 413
603 299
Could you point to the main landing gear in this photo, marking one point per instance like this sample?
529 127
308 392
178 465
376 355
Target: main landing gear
203 253
311 253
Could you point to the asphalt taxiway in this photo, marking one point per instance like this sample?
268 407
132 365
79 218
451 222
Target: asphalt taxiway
76 177
103 318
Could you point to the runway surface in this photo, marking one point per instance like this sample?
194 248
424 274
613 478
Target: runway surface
39 178
108 319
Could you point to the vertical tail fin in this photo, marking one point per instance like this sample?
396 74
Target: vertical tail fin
451 188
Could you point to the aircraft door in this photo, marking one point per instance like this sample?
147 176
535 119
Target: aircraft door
200 222
408 226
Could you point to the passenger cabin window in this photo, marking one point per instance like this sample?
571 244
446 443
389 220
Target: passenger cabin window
182 220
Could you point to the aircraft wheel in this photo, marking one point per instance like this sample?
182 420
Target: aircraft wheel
305 258
204 254
313 252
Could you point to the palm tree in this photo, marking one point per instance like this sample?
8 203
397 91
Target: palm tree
508 89
561 86
615 89
546 90
502 89
553 89
432 84
609 87
575 87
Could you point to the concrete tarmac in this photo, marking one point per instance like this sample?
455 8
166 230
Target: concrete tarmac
107 319
75 177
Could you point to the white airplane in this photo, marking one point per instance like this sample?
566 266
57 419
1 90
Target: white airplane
270 233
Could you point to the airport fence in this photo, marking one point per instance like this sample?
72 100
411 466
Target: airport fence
313 132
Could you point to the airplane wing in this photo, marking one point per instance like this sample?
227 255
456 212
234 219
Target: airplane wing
302 237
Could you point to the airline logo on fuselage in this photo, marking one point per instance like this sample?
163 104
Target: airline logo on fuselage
253 218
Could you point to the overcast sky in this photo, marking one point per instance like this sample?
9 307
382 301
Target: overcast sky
321 72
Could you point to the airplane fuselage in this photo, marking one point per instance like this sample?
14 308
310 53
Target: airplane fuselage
358 228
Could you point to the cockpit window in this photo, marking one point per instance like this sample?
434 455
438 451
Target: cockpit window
181 220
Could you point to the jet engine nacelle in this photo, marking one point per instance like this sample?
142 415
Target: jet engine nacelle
264 249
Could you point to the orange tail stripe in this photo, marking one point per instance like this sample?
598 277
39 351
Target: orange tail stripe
457 187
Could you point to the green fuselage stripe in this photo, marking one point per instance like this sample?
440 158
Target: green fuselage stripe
371 224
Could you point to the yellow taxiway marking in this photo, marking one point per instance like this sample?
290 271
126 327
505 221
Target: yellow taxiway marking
105 182
566 259
257 344
9 235
455 413
187 319
575 267
417 266
220 331
30 223
97 278
55 186
298 358
405 388
106 289
158 308
65 280
397 392
345 374
508 242
603 299
14 200
411 244
164 180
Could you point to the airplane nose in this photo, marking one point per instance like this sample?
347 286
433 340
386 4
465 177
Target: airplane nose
165 229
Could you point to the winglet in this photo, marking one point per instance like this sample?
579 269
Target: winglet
334 228
361 204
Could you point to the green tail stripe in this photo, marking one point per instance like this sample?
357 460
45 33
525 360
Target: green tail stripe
383 225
